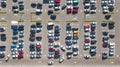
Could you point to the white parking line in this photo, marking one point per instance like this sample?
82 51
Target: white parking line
117 55
111 62
27 10
117 10
75 18
3 18
74 62
39 62
39 18
98 10
81 10
9 10
45 10
0 61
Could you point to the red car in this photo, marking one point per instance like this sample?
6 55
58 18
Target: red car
57 52
75 10
51 41
51 49
69 10
87 41
105 44
87 26
32 35
57 1
38 46
20 56
20 52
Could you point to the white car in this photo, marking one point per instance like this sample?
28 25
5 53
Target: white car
61 59
38 43
63 48
38 10
87 4
50 62
57 7
68 47
56 44
92 1
69 2
93 11
51 3
111 45
69 7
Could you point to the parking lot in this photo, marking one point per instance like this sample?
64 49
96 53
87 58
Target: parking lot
66 37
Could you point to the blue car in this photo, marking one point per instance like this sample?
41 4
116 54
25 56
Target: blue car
13 46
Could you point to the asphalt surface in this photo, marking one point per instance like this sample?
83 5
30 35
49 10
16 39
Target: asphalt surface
62 17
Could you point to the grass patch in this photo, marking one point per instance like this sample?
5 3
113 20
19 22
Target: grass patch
90 21
75 57
53 21
93 57
36 21
3 12
107 21
21 12
32 12
3 21
20 20
56 13
71 20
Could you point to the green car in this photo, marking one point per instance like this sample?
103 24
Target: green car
75 2
21 7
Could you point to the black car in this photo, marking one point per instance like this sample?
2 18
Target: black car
63 7
33 26
107 17
93 42
50 12
111 25
3 4
105 33
15 1
2 29
111 36
3 37
39 6
39 24
39 38
32 39
104 55
104 24
33 5
21 27
53 17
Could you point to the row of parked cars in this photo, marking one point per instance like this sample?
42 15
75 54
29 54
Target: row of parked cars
106 37
53 43
17 41
107 5
72 6
36 44
38 7
2 35
89 6
71 41
55 4
34 30
2 51
90 39
19 7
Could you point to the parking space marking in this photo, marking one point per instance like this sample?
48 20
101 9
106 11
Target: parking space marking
45 10
117 55
81 10
0 61
2 18
98 10
39 62
117 10
111 62
27 10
